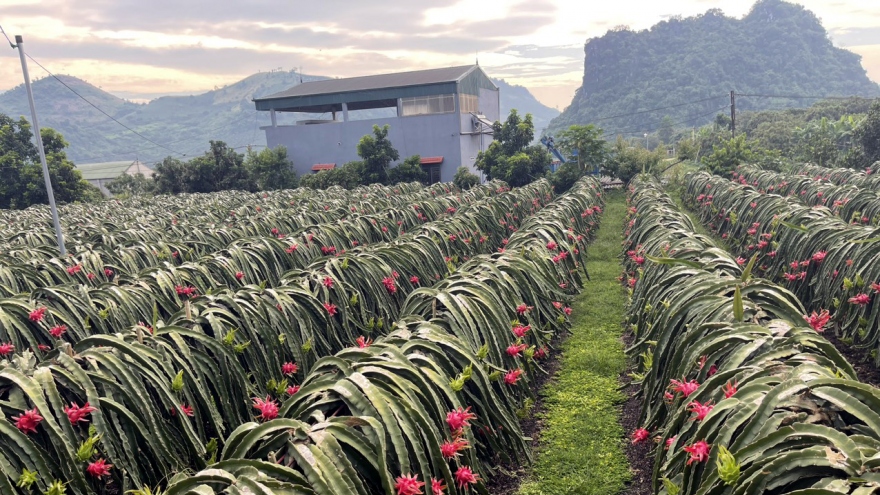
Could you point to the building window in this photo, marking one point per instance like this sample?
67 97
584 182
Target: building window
469 103
422 105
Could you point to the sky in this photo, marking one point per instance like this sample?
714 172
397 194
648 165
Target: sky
141 50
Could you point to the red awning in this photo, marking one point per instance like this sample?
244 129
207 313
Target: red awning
323 166
431 160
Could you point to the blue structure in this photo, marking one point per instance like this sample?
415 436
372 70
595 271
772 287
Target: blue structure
551 147
444 115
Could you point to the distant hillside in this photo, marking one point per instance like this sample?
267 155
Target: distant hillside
777 49
182 123
518 97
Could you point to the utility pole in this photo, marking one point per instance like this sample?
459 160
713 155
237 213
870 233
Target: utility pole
732 114
27 84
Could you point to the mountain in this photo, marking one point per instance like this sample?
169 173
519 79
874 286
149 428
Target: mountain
692 64
182 124
519 98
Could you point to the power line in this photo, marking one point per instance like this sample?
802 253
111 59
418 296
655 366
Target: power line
645 128
102 111
11 44
805 97
660 108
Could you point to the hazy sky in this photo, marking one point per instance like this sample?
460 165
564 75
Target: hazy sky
141 49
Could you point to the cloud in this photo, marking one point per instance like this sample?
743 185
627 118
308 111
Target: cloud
856 36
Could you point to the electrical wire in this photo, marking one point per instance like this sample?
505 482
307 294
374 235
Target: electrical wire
660 108
646 127
805 97
11 44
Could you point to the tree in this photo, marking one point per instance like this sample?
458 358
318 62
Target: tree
587 141
220 169
728 155
170 177
22 182
377 154
464 179
270 169
348 176
627 161
131 185
867 135
666 130
409 171
509 157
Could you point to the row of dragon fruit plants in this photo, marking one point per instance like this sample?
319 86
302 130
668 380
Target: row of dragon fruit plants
831 262
740 393
388 368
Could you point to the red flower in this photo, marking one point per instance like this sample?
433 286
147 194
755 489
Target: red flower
291 249
860 299
289 369
639 260
557 304
512 376
567 311
268 408
686 388
437 487
76 414
90 276
6 349
523 309
541 353
408 485
108 272
292 389
700 409
451 449
414 280
730 389
464 476
27 421
187 410
820 256
72 270
712 370
239 275
388 282
364 342
699 452
327 250
552 246
331 308
57 330
640 435
818 321
514 350
459 418
740 261
669 441
520 330
99 468
37 315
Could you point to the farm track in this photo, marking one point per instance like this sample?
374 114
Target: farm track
580 448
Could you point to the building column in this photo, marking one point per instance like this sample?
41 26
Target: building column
272 116
345 112
399 107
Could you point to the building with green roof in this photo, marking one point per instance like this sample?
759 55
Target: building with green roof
100 174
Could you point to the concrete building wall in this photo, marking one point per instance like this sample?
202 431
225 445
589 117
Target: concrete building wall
490 104
425 135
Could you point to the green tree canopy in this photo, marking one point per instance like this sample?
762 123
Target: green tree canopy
589 143
270 169
23 184
510 157
464 179
409 171
377 154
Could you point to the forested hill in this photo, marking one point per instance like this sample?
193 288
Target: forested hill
183 124
778 48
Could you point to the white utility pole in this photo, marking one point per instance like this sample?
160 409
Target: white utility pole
27 84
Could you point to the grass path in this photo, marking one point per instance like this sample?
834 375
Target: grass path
582 441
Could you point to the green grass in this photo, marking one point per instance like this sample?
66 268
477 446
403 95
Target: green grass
581 448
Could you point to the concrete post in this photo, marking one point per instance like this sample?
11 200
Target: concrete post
272 116
345 112
399 107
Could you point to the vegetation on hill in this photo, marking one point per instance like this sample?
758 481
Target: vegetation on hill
778 48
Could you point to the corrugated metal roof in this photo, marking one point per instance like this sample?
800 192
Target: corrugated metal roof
379 81
430 160
323 166
108 170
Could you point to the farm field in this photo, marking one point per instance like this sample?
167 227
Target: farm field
392 339
381 341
